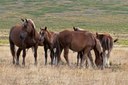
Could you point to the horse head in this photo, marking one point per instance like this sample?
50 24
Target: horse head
28 27
99 53
44 34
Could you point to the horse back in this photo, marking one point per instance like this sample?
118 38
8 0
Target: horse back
75 40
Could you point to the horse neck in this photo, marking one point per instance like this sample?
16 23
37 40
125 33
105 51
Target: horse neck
98 46
33 32
49 37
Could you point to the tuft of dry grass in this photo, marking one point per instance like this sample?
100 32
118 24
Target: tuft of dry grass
11 74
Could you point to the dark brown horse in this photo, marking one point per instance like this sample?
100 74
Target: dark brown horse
24 36
107 43
50 42
79 42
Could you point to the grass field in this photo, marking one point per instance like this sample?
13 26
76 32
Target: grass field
94 15
11 74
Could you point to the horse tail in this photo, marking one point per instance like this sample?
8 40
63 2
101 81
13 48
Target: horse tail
106 43
12 47
58 45
58 50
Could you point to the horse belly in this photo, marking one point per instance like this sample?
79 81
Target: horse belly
77 47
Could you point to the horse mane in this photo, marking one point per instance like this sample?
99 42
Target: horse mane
33 26
49 34
98 45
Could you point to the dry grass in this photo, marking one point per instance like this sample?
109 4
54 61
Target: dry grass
63 75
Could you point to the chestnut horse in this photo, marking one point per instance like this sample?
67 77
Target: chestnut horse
50 42
79 42
79 54
24 36
107 43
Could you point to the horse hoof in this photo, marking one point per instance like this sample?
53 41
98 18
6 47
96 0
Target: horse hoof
17 63
13 62
35 64
23 64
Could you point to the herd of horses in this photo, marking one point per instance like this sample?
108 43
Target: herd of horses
25 36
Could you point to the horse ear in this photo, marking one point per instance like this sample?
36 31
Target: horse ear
26 20
97 34
45 28
40 28
74 28
22 20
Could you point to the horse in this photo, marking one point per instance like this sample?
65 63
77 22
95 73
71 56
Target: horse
106 41
50 42
79 54
24 36
79 42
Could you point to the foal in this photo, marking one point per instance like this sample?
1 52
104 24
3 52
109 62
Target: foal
50 42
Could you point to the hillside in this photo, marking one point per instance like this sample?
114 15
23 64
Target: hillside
93 15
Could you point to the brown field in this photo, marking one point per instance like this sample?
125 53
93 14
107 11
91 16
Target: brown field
11 74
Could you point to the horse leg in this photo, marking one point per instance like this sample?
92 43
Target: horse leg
59 54
35 54
18 54
78 56
83 59
55 55
12 48
108 55
85 55
45 53
104 59
52 56
66 51
91 59
24 54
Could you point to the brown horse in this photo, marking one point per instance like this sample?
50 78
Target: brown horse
107 43
79 42
24 36
50 42
79 54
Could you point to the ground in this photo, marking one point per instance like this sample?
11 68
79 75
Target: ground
30 74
